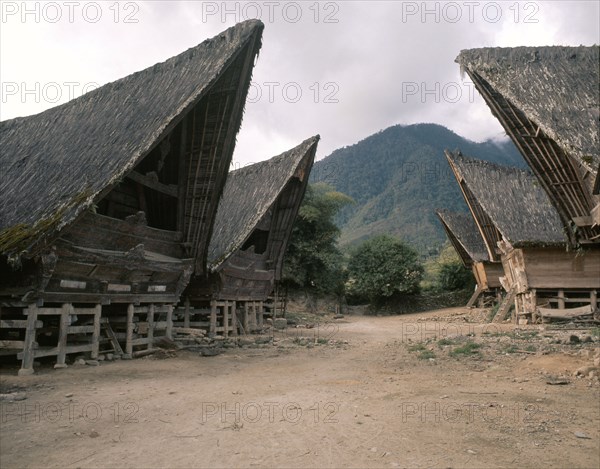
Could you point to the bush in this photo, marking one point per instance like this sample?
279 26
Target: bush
455 276
381 267
446 272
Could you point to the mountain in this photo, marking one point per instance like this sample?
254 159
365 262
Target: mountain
397 178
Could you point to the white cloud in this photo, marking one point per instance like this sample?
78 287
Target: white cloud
365 63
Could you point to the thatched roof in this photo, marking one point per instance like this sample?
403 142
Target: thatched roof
556 87
464 236
513 200
249 193
60 162
546 98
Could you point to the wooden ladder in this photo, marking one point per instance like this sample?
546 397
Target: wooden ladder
505 305
110 334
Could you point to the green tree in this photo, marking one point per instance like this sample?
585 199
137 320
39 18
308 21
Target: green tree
381 267
449 271
313 260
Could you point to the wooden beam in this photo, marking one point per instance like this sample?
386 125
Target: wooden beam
96 333
107 298
226 319
583 221
129 339
17 323
246 314
474 297
562 313
186 314
169 328
561 299
234 319
67 310
154 184
595 214
261 312
16 344
150 325
213 317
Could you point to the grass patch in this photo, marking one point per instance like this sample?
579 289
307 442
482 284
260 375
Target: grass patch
426 355
595 332
469 348
302 341
417 348
423 352
444 342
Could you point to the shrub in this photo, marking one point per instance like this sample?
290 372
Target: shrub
381 267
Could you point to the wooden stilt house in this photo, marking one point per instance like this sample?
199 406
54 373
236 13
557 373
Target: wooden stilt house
108 201
253 226
469 245
547 100
523 230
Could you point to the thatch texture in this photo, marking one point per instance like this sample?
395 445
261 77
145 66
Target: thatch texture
556 87
249 193
464 236
62 161
546 98
513 200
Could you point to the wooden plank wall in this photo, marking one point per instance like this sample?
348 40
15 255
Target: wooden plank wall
556 268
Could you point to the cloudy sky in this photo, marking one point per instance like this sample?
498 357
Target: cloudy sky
343 70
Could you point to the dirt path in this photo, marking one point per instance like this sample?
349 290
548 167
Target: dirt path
370 402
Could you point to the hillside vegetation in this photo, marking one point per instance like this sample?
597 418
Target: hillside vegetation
397 177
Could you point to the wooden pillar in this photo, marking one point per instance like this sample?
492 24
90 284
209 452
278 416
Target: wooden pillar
169 331
594 299
67 309
96 333
226 319
28 352
234 320
261 312
186 314
129 339
532 307
150 319
213 318
533 300
561 299
246 330
474 297
254 318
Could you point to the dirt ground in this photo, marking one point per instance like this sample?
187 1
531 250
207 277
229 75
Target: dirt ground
361 391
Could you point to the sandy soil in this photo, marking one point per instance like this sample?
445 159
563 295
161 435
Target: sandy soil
356 393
